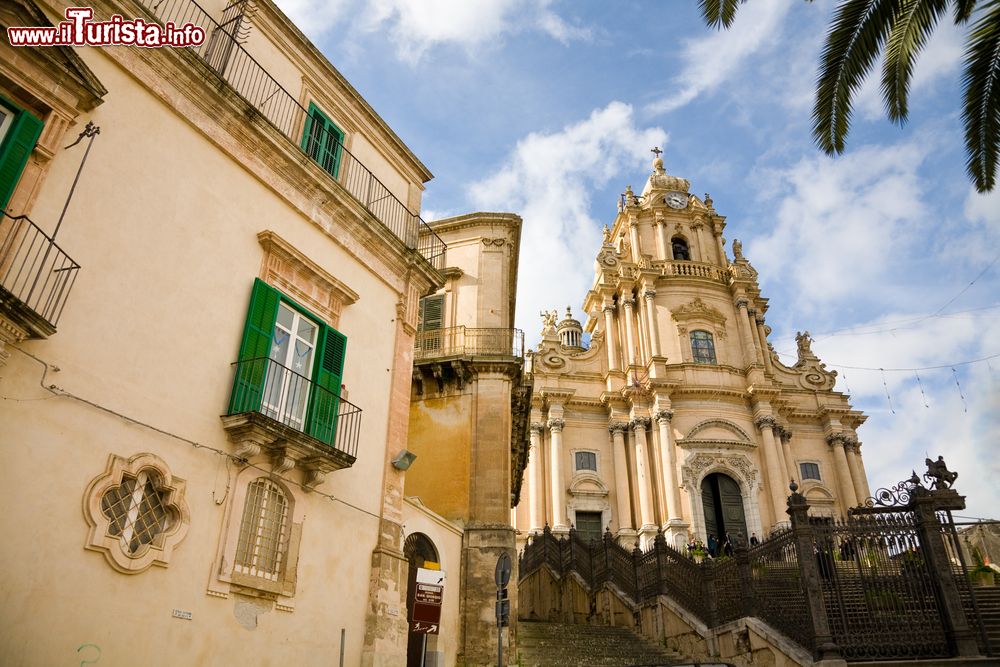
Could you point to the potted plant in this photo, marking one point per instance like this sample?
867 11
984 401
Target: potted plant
981 574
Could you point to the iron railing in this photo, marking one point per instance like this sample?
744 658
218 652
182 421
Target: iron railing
466 341
265 386
226 56
33 268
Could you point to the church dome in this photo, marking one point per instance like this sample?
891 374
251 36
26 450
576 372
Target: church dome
570 332
661 181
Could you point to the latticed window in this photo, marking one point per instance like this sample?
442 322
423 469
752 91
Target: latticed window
702 347
809 470
263 531
586 461
136 511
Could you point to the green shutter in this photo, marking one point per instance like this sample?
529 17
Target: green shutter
431 312
15 151
251 372
322 140
328 374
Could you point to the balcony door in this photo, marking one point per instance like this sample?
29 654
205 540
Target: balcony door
293 346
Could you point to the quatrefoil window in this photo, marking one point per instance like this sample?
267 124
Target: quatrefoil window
137 512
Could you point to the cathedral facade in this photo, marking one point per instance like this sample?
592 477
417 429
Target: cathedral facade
679 416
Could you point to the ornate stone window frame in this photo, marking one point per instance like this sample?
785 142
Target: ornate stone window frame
699 316
584 499
819 471
225 579
172 490
584 471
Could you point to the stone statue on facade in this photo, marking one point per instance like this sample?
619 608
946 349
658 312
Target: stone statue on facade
938 471
549 318
737 249
804 342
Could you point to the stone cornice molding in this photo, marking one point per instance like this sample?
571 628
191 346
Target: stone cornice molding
714 444
765 421
556 425
663 416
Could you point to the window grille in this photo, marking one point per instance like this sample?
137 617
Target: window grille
136 511
702 347
263 540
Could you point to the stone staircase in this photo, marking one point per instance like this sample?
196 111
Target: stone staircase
561 645
988 602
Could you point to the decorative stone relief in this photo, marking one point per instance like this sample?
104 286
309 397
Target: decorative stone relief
699 464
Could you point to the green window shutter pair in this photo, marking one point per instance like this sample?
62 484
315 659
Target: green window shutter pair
322 140
15 151
254 361
431 313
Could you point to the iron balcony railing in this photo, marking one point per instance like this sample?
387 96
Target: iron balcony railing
33 268
465 341
265 386
224 54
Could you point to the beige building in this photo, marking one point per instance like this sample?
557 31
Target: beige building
199 430
468 416
679 416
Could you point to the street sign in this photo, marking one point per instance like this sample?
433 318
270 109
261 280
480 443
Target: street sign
429 594
502 574
421 628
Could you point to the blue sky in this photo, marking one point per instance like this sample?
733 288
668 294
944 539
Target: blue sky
549 109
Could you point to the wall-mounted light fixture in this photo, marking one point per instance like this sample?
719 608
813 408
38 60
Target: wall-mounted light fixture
404 460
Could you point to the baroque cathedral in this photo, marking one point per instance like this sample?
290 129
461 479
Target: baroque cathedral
679 416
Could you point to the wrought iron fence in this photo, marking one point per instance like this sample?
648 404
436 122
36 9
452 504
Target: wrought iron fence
265 386
33 268
226 56
889 582
466 341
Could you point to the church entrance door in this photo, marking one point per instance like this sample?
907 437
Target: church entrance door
723 503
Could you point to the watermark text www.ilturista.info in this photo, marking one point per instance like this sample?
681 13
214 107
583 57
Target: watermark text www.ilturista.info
79 30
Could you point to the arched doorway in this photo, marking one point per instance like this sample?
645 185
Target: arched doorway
418 550
723 503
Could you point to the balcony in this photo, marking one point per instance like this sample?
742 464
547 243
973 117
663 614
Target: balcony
224 54
687 269
274 410
36 276
466 342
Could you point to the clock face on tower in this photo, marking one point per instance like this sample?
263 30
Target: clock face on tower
677 200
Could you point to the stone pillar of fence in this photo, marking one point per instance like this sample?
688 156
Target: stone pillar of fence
929 531
824 649
711 599
743 569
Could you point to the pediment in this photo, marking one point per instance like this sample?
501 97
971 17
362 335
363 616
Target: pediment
588 484
698 310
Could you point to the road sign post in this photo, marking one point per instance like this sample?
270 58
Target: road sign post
502 578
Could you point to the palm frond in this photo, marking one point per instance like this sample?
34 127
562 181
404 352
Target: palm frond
912 25
981 110
855 39
963 10
719 13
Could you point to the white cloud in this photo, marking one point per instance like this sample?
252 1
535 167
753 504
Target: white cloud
847 221
710 61
314 17
547 179
415 26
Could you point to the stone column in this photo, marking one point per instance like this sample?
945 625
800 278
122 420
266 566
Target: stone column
612 335
785 437
717 233
646 516
700 241
617 430
629 305
555 474
536 516
668 457
857 469
661 237
755 335
654 327
743 324
768 364
643 330
846 486
775 476
633 228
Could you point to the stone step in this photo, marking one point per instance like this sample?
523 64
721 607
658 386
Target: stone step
566 645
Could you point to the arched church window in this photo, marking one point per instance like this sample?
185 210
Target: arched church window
702 347
680 248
